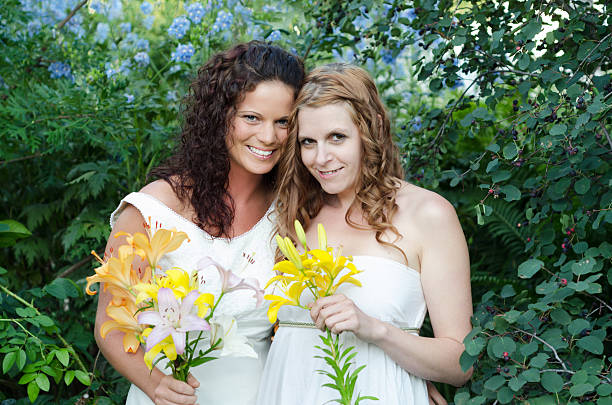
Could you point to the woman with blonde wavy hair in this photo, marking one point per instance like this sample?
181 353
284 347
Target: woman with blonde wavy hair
341 168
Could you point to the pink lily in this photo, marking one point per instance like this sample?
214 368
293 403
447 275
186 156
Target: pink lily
231 282
172 319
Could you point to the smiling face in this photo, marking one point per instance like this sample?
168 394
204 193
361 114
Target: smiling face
331 148
259 127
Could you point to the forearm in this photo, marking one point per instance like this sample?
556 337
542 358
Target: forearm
434 359
129 365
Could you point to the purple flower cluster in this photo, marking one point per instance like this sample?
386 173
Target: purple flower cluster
59 70
183 53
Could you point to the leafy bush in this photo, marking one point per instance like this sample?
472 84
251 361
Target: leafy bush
504 108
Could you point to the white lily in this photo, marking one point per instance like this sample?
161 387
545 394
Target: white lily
232 343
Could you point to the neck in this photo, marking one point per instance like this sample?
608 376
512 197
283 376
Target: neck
342 201
243 186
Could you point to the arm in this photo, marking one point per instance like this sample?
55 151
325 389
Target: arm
161 388
445 277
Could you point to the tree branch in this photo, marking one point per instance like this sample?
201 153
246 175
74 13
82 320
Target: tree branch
70 15
547 345
37 154
75 266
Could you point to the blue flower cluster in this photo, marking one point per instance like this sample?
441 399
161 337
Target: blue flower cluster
112 9
179 27
125 27
59 70
183 53
129 98
146 8
223 21
196 12
102 31
142 59
50 12
274 36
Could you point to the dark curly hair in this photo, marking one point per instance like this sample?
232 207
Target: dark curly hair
198 171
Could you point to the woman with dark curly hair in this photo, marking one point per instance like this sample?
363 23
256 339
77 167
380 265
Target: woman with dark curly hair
218 188
342 169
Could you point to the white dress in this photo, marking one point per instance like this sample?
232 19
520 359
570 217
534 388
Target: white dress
391 292
226 380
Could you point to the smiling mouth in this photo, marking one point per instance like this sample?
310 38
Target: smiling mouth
329 173
264 154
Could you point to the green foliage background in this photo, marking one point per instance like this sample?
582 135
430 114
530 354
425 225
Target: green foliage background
502 107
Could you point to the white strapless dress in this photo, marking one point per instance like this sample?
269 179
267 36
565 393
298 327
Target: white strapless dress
227 380
391 292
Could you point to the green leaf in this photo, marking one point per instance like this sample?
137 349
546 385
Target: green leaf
529 268
510 151
581 389
62 288
9 360
552 382
512 193
500 176
68 377
582 186
494 382
516 383
26 378
550 76
507 291
43 382
82 376
21 359
33 391
11 231
524 61
531 375
63 356
591 344
561 316
505 395
44 320
558 129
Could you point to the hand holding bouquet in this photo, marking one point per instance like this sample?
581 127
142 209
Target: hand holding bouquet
321 273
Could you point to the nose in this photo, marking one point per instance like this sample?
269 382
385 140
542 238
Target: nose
322 155
267 135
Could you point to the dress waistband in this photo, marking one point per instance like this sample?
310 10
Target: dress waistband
310 325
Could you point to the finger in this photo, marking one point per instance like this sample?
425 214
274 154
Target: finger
191 380
434 395
181 388
339 324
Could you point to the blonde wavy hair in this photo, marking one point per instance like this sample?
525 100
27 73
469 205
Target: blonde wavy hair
299 195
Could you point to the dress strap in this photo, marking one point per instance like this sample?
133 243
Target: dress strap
310 325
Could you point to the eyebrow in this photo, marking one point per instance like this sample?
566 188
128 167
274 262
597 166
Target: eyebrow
336 130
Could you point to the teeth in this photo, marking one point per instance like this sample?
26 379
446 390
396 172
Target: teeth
260 152
329 172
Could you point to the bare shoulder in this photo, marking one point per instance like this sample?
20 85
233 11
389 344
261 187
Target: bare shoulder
163 191
423 207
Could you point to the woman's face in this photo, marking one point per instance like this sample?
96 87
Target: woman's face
330 146
259 128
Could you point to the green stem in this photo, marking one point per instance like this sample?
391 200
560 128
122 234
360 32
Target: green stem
60 337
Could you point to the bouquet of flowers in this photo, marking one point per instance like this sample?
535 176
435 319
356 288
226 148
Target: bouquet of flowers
164 309
321 273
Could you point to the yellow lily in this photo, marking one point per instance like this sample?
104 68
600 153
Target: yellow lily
292 294
204 302
123 320
115 271
154 247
